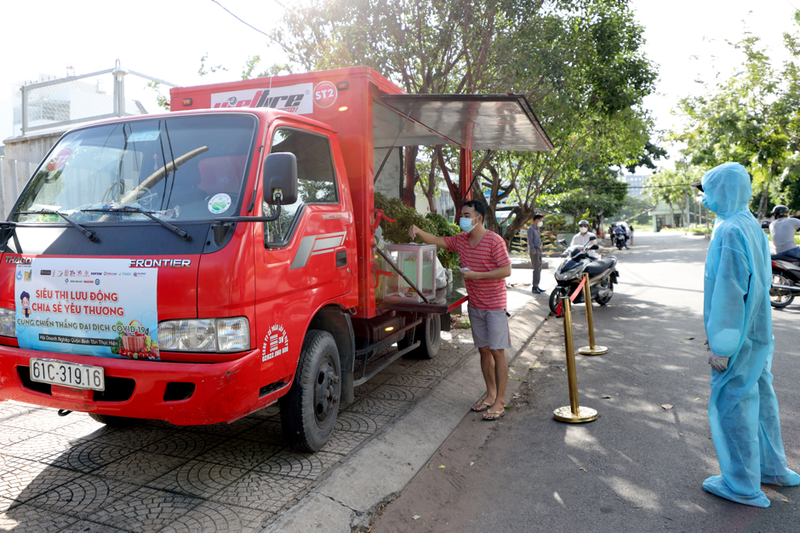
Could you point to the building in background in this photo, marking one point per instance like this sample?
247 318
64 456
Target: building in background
635 184
45 109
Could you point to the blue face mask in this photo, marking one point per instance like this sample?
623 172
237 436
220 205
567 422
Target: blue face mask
466 224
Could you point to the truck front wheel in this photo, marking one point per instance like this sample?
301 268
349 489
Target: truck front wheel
429 333
309 409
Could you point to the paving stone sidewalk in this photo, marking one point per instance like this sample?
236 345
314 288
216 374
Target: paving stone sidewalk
65 474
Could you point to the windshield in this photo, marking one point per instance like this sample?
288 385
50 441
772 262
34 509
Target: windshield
182 168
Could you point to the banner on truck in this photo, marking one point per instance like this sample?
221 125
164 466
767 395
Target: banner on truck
293 99
99 307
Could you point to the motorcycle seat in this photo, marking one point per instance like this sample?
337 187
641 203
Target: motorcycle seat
596 267
789 258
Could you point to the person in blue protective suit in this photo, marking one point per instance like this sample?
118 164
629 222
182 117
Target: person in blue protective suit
742 409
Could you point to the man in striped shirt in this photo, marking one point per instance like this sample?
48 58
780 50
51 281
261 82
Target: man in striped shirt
485 265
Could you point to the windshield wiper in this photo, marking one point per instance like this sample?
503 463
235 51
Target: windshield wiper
180 232
89 234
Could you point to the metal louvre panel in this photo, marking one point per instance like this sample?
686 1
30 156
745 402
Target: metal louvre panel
475 122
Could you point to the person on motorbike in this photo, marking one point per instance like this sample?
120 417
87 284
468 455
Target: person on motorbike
620 230
584 237
782 230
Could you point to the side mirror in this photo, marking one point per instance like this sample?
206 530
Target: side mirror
593 247
280 177
562 242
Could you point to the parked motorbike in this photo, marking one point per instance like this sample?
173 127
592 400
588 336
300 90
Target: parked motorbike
602 275
785 280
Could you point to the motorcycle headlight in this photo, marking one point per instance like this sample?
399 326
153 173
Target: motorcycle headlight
205 335
568 273
8 327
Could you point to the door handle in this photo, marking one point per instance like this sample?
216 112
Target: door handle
341 258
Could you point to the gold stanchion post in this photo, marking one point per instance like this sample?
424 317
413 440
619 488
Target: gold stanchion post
573 412
587 297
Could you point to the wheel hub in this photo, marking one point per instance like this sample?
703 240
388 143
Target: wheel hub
326 392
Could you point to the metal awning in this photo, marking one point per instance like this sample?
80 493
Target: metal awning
472 121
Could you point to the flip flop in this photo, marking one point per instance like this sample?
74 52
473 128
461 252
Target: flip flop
483 406
491 416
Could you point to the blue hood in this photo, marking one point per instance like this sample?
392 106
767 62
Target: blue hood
727 189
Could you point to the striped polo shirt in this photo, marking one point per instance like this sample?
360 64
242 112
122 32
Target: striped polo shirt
490 254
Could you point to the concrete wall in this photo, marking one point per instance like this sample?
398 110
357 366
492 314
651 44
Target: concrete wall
22 156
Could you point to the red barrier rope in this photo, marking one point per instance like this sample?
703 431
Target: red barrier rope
577 291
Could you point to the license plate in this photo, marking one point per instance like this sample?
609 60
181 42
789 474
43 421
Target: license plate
68 374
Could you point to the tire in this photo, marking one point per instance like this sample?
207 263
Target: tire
430 335
619 244
112 421
555 296
606 284
309 409
778 298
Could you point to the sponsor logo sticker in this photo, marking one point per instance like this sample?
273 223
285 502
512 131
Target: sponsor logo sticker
293 98
219 203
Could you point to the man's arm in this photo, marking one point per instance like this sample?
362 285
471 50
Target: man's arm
427 238
498 273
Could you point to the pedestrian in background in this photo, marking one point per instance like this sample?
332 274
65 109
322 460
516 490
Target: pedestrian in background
484 265
535 250
742 408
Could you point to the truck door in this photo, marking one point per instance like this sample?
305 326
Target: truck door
307 255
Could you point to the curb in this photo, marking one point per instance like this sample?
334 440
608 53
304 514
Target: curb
380 471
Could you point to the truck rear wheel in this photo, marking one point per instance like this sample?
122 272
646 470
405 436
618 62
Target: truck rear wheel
309 409
429 333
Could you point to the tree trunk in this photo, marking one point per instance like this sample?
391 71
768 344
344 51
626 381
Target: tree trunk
762 205
410 172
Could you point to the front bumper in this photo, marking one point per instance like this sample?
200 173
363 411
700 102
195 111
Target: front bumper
179 393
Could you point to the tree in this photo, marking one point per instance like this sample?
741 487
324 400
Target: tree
672 187
579 62
600 195
752 118
635 208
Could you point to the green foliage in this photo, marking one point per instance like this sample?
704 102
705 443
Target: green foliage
671 187
752 117
600 194
635 209
404 217
204 70
579 62
161 100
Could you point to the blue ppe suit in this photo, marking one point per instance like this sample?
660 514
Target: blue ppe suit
742 409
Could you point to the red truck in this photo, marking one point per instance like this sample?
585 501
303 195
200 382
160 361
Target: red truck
199 265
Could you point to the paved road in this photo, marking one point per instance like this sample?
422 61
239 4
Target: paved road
73 474
640 466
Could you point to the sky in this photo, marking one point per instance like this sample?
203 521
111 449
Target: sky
166 39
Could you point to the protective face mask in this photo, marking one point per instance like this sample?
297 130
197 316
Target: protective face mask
466 224
539 224
584 229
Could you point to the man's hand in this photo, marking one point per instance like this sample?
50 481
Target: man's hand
468 274
718 363
425 237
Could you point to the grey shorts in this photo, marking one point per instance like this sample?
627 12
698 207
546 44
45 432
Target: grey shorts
490 328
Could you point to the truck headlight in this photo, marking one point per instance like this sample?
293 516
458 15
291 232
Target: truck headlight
205 335
8 318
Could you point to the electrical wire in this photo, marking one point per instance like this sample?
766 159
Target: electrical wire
242 21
